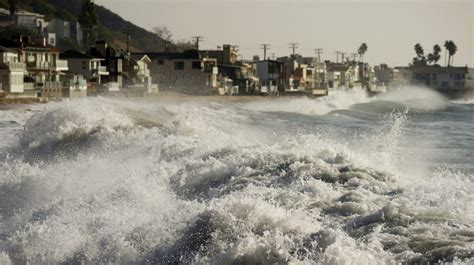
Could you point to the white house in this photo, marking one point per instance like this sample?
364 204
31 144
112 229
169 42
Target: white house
12 72
143 72
44 68
85 65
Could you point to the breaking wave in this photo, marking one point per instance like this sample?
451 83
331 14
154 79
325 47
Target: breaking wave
101 181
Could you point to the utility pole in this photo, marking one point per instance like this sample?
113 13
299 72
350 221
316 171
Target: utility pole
337 55
318 51
198 39
343 56
128 42
293 46
265 47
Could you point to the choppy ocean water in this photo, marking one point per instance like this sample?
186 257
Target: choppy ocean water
344 179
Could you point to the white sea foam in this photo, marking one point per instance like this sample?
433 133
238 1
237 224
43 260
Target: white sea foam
340 99
213 184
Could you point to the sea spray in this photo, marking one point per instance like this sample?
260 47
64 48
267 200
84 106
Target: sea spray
222 183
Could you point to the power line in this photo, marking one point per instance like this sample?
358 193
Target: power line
265 47
294 46
343 56
198 39
337 55
318 51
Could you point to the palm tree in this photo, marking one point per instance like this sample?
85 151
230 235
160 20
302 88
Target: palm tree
420 57
446 45
451 49
362 49
430 58
419 50
435 56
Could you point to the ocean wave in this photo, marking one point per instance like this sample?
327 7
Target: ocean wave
210 184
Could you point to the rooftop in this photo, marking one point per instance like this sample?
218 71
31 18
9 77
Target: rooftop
435 69
186 55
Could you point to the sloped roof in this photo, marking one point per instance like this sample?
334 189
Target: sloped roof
72 54
139 57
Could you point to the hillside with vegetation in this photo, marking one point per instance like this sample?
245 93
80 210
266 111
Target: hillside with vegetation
112 27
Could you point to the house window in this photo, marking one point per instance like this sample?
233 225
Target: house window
197 65
161 61
445 84
84 65
179 65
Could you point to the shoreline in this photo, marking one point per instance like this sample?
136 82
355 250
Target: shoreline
169 96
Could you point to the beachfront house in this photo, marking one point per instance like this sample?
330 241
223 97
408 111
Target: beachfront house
44 68
272 76
86 65
143 73
185 72
236 77
305 75
448 80
115 60
338 75
12 73
470 81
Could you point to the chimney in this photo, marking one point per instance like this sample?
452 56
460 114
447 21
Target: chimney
227 54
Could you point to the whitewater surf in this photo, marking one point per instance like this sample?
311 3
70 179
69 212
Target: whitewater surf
345 179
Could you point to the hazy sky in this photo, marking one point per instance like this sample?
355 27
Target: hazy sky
389 27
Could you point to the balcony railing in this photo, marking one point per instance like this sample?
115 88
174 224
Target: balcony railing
58 65
50 85
16 66
29 86
38 65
